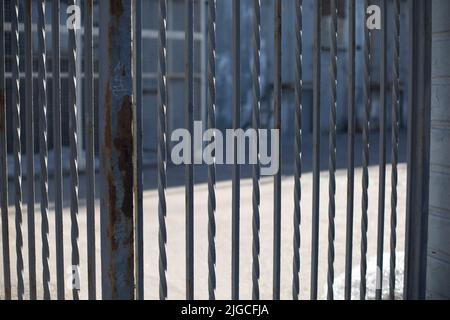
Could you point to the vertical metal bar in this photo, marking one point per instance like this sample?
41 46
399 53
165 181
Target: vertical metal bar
30 148
316 148
90 145
79 91
350 150
277 178
162 147
203 63
418 150
73 138
332 148
395 141
411 134
189 168
117 141
43 148
382 155
139 242
3 163
298 146
236 103
212 167
256 124
437 277
17 130
57 145
365 157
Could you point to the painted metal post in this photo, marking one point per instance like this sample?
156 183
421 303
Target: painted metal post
438 264
116 148
418 149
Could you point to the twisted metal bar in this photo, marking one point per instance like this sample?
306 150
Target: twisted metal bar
332 148
4 164
212 167
139 205
57 141
17 146
29 138
315 228
90 146
395 140
162 92
298 146
382 156
350 151
256 72
365 159
42 80
73 154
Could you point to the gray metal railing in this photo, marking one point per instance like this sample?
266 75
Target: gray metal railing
121 150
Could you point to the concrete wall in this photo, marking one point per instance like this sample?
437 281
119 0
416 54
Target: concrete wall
438 268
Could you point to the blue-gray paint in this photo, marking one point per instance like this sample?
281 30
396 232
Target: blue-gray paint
223 62
438 267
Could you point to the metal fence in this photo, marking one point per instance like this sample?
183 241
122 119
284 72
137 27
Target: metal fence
122 267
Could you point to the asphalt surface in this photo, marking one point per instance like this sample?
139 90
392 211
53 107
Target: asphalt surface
176 225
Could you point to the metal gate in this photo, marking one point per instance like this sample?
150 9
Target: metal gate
113 265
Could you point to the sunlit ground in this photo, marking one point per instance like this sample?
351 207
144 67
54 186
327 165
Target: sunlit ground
176 238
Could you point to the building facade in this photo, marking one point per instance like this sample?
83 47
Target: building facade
175 56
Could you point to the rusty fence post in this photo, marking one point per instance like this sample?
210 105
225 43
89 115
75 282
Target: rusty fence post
116 148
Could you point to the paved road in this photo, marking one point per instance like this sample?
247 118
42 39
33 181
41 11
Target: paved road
175 229
176 235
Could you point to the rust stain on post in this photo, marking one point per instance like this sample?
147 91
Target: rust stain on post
90 5
124 145
117 149
116 8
